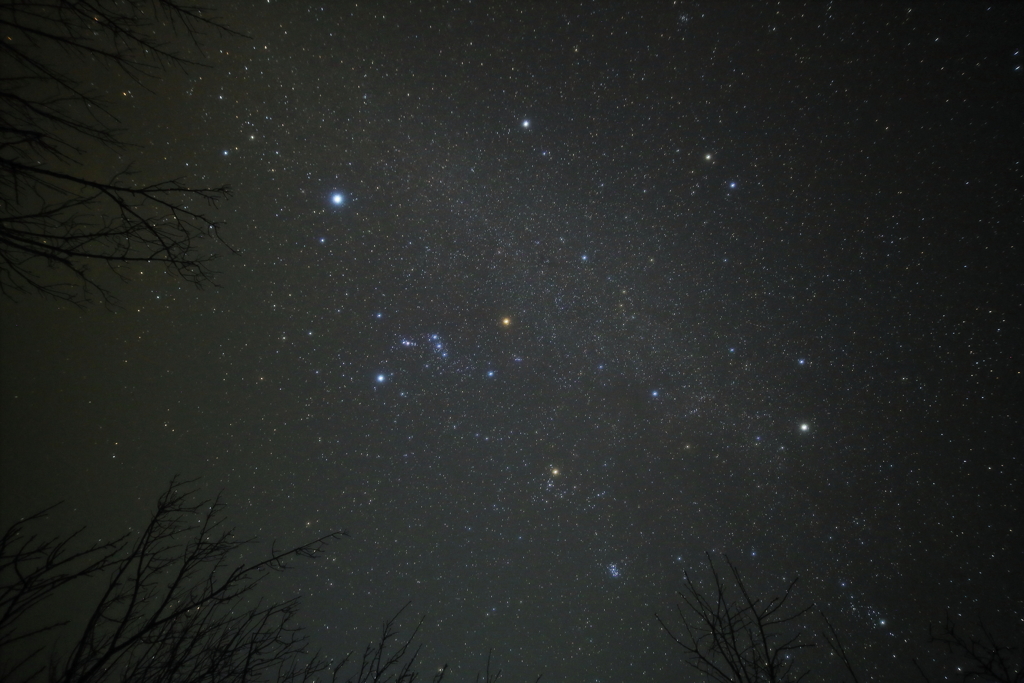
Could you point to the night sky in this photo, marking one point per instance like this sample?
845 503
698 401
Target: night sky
543 301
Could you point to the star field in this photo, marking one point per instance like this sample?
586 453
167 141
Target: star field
542 302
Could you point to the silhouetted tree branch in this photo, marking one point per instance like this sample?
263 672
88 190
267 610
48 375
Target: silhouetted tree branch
55 220
32 570
982 656
835 644
387 659
174 605
729 635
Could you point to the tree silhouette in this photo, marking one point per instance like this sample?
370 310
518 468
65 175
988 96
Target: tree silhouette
981 655
55 219
173 604
731 636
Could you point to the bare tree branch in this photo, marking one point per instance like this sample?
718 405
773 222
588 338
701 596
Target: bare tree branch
55 221
729 636
980 656
174 606
835 644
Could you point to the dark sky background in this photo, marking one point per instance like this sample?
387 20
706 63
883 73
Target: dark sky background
757 264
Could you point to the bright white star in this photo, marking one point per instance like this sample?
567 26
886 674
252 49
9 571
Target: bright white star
337 199
526 123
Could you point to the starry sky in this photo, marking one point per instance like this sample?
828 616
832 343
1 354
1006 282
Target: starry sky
543 301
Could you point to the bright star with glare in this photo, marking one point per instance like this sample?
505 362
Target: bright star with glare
381 378
526 123
506 321
337 199
805 427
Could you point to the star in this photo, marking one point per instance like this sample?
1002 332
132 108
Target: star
805 427
337 199
506 322
381 378
526 123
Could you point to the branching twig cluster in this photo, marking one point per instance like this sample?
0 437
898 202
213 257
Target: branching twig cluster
981 656
56 220
174 605
728 635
